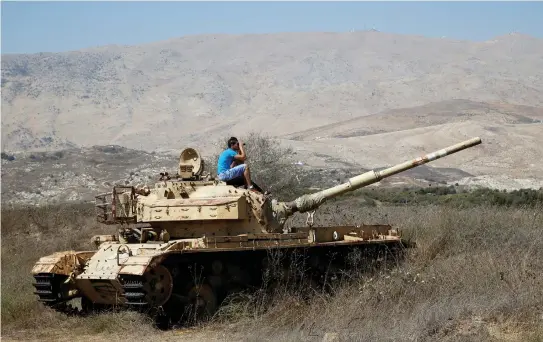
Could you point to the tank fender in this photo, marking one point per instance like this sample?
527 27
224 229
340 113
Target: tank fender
136 262
62 262
138 265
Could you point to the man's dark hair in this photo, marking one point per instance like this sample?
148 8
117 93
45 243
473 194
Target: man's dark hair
232 141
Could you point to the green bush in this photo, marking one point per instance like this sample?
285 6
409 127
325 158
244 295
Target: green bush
449 196
6 156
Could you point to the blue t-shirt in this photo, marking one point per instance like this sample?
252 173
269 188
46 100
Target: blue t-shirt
225 160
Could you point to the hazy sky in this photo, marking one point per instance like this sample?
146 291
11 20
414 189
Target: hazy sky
61 26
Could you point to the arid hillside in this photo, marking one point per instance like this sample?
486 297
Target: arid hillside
368 99
512 138
183 90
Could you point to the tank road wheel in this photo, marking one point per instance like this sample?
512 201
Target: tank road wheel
196 304
202 302
157 285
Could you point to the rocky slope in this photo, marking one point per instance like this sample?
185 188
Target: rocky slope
183 90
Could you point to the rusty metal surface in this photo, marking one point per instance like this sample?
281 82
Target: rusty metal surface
61 262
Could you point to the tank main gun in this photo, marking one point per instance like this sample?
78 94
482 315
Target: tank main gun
282 210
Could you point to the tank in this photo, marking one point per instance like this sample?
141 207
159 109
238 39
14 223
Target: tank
183 245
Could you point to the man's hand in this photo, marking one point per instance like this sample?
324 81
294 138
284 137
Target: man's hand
242 156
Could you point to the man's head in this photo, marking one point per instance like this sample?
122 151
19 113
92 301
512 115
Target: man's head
233 143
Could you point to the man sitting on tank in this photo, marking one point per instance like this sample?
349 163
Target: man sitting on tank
231 163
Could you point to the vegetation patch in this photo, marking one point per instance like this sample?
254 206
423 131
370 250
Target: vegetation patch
449 196
474 275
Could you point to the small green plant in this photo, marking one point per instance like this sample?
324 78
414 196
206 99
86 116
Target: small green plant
6 156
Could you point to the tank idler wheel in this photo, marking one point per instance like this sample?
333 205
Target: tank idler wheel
157 284
49 288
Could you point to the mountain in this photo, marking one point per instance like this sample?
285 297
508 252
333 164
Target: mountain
372 98
172 92
512 137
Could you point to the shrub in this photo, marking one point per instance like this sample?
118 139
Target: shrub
8 157
452 197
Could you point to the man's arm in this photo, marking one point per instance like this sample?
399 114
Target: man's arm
240 157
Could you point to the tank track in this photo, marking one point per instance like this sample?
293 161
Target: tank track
134 293
48 288
135 300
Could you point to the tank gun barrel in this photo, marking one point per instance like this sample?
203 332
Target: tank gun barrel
312 201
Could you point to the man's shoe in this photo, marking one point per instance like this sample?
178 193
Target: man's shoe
252 188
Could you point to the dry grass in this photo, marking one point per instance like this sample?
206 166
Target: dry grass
476 275
28 234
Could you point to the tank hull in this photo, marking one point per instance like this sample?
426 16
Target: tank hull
171 278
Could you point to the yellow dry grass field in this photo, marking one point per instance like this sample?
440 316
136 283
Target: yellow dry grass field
476 275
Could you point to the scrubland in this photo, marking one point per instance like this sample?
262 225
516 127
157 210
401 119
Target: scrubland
475 275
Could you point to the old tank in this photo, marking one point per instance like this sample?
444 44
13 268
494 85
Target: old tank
183 245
